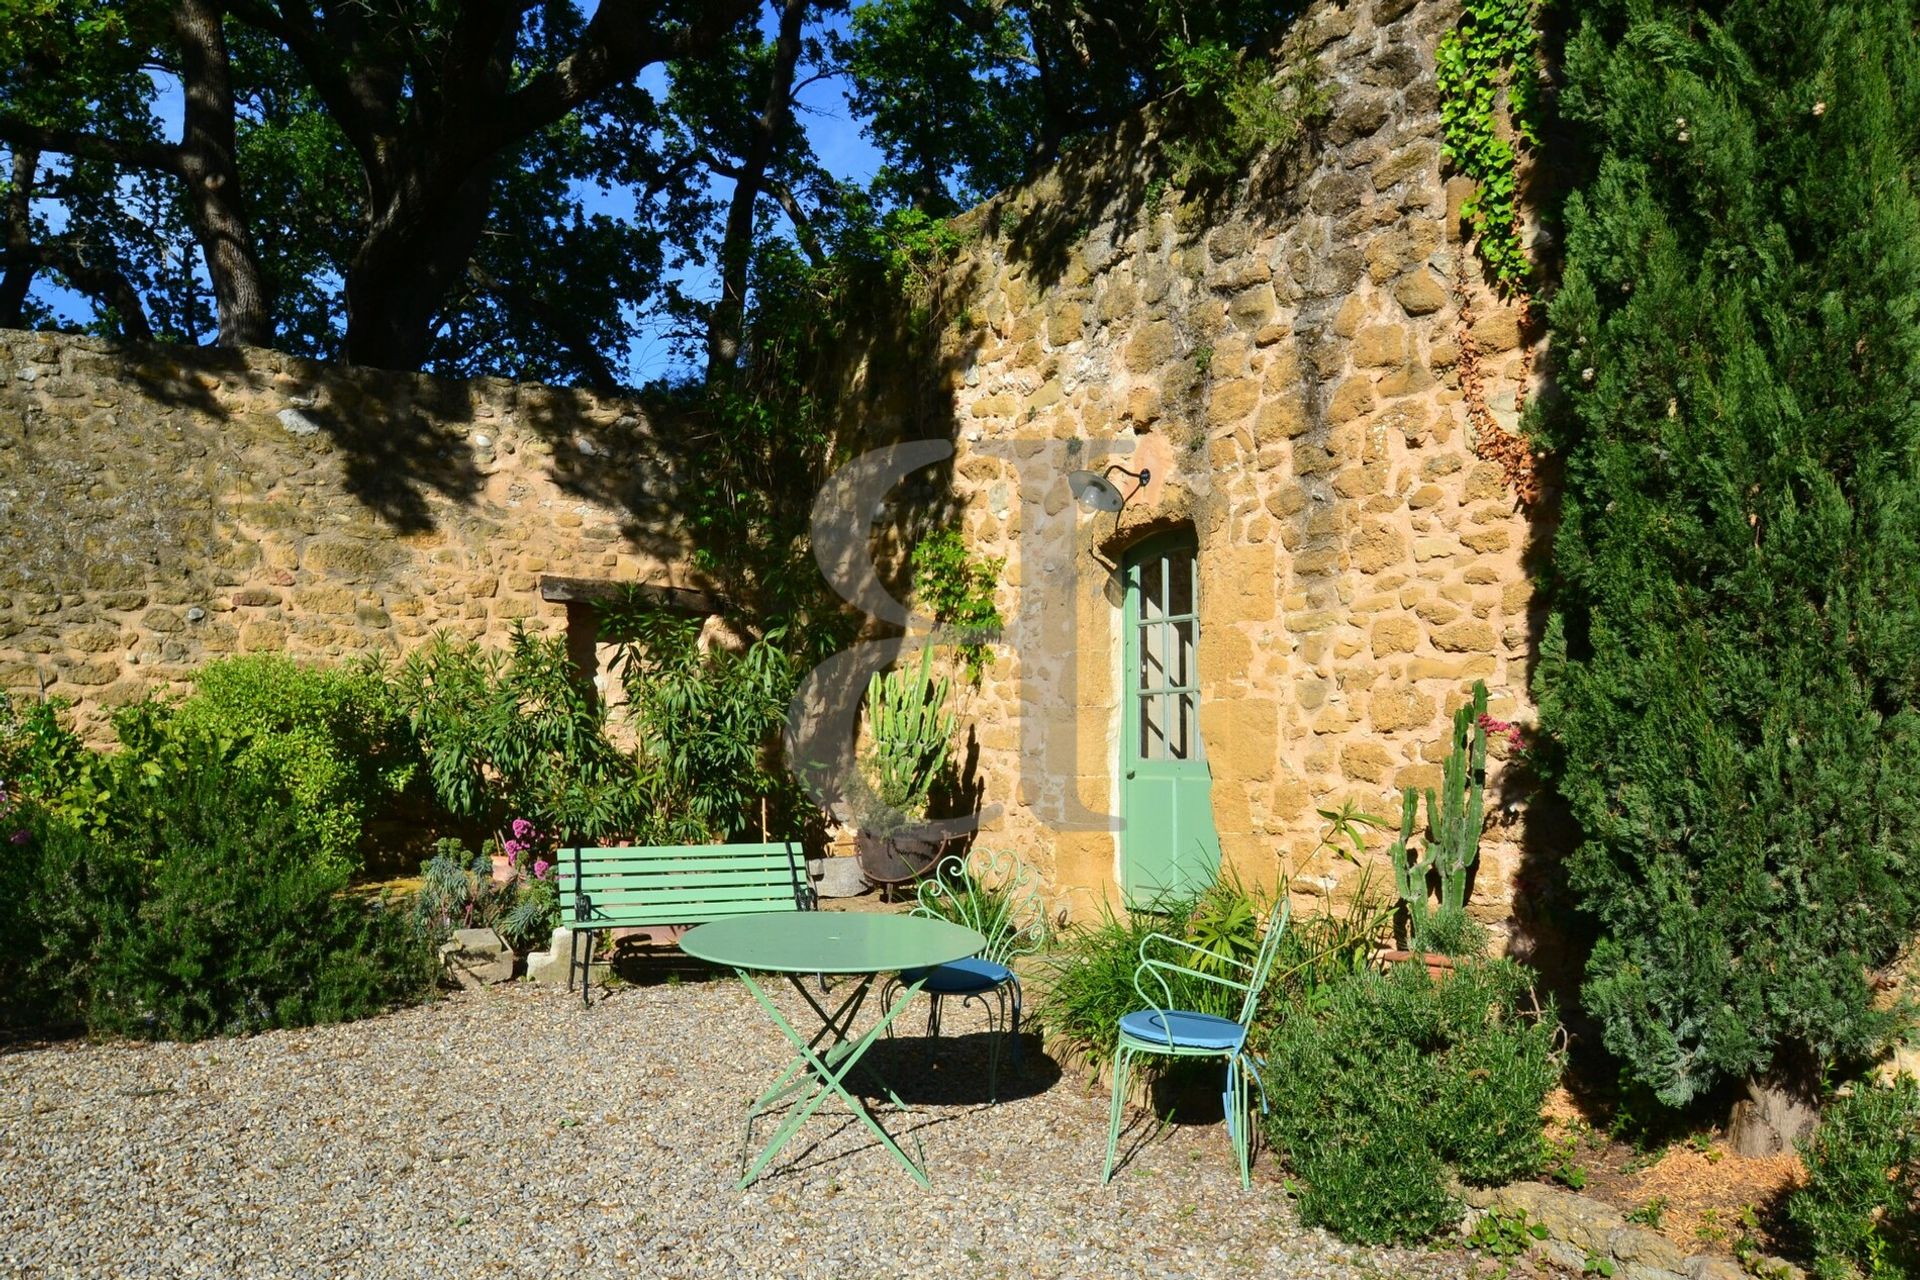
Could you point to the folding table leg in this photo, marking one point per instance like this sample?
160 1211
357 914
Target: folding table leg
830 1076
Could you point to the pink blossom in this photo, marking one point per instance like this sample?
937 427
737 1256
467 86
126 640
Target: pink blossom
540 868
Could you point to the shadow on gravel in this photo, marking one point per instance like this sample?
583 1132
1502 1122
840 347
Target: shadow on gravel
956 1075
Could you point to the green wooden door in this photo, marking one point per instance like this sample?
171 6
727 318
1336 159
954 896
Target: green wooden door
1167 842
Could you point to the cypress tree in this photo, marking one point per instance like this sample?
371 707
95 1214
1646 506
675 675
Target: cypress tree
1731 666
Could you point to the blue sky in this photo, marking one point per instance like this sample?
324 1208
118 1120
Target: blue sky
823 111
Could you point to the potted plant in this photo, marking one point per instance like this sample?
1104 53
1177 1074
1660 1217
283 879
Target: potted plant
1439 933
909 730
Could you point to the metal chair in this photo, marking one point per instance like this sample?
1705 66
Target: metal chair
1182 1033
998 899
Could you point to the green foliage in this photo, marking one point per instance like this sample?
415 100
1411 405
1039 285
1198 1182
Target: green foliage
957 588
335 738
45 761
1396 1078
1232 107
1859 1210
202 912
1494 49
963 100
1505 1234
1086 983
1731 668
709 725
517 734
909 733
1450 931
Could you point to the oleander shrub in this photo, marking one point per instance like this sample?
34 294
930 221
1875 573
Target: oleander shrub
1394 1079
518 732
1859 1210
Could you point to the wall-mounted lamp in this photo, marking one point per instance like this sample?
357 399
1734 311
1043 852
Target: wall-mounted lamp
1094 492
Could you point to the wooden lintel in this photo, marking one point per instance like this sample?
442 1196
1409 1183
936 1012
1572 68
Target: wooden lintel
560 590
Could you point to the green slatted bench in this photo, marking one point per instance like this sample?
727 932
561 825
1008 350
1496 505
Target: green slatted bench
668 889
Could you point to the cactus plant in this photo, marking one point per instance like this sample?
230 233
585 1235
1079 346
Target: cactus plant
909 730
1454 817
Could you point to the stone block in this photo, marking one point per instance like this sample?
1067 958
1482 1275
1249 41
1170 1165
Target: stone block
1395 635
1380 345
1152 346
1350 400
1489 540
1400 708
263 637
1376 547
351 558
1365 761
478 957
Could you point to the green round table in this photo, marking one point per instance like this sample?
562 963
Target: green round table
792 943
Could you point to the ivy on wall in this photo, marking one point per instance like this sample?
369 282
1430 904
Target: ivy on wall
1492 50
957 589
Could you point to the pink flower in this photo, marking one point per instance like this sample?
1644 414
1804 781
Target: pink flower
540 868
523 831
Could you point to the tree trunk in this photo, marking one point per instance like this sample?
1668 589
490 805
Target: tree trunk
212 177
18 277
1780 1110
420 240
727 323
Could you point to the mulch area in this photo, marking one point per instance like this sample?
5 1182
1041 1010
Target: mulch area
1695 1192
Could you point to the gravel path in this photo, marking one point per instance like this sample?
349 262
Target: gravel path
508 1133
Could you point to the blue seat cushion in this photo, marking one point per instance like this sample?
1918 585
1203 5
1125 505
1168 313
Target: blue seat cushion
1190 1030
961 978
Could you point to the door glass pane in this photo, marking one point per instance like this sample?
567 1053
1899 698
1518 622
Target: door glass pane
1152 588
1181 733
1153 656
1180 566
1180 660
1153 727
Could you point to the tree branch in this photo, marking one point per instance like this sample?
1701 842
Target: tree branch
106 285
157 157
623 37
557 320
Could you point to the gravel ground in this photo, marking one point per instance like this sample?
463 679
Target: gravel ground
508 1133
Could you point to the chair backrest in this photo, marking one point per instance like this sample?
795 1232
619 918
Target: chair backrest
993 894
682 884
1263 963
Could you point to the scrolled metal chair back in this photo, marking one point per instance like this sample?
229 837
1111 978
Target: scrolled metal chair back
994 894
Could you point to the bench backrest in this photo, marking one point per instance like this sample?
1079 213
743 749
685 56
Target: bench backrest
682 884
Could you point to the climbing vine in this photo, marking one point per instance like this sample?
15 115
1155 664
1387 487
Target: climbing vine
957 589
1493 49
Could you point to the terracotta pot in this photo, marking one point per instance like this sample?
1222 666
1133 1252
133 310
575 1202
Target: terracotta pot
1438 967
502 869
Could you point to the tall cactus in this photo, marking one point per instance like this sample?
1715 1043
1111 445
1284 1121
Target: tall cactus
910 731
1410 878
1455 822
1454 818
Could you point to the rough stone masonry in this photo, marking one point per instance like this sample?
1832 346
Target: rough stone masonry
1285 354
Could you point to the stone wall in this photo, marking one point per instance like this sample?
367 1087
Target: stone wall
160 507
1307 361
1286 357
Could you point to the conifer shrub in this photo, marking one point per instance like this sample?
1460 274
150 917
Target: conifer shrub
1730 673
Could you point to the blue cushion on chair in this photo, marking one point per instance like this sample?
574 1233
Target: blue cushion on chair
962 977
1190 1030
